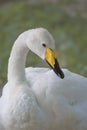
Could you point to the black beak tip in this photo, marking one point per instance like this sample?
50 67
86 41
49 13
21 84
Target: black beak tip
61 75
58 70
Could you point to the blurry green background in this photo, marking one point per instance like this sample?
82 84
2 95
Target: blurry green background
65 19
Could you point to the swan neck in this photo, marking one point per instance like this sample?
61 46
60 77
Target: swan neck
16 64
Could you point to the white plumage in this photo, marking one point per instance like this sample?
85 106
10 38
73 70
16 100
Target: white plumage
36 98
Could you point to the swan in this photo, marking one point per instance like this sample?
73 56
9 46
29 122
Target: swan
41 98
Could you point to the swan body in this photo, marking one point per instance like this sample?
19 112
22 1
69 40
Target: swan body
40 98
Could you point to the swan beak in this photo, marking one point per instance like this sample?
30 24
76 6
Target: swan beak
50 57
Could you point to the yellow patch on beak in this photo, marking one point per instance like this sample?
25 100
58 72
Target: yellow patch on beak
50 56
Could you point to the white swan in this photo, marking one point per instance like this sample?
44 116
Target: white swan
37 98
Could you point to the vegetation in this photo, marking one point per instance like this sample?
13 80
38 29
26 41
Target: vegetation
69 31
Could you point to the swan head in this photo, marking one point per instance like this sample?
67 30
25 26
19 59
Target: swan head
41 42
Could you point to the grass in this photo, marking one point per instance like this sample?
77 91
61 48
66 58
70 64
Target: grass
70 33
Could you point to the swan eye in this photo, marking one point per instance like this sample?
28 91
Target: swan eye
44 45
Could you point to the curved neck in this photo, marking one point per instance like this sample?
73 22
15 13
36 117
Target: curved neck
16 65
